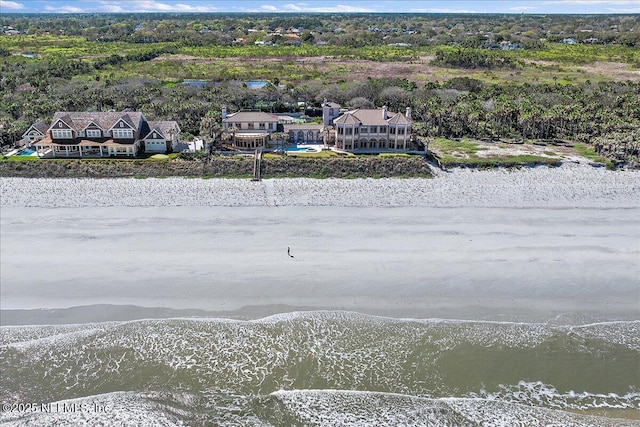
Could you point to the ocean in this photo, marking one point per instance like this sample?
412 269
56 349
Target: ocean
321 368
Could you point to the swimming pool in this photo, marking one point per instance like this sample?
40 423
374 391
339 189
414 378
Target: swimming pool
27 152
302 149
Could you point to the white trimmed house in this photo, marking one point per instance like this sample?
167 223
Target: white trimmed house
102 134
250 129
373 130
163 137
36 132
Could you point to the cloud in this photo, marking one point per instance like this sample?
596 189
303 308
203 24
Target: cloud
130 6
155 6
10 5
441 10
521 8
623 10
63 8
594 2
305 8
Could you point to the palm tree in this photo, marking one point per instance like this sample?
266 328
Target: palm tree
281 139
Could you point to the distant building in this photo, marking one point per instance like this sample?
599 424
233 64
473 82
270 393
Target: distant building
101 134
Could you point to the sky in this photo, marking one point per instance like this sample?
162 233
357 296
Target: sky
353 6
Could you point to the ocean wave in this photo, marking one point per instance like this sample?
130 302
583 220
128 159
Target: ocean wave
348 408
335 408
329 350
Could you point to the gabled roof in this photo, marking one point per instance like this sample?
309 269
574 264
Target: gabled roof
347 119
126 118
370 117
399 119
79 120
92 123
163 128
250 116
40 126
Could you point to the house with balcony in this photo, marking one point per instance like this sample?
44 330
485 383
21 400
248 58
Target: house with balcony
102 134
249 130
373 130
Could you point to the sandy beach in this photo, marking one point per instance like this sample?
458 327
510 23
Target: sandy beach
521 245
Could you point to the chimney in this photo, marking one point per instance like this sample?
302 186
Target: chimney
384 112
408 113
224 113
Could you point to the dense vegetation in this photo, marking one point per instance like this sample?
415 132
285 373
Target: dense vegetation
446 67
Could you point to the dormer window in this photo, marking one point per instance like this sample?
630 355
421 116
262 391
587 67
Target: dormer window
94 133
61 134
59 124
122 134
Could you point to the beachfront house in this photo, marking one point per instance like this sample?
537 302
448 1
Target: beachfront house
36 132
249 129
102 134
163 137
360 130
373 130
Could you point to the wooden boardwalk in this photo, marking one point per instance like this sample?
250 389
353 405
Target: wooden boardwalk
257 163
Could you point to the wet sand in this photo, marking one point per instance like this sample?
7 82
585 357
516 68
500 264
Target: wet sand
528 245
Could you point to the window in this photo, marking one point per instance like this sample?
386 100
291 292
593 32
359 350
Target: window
250 125
122 134
94 133
262 126
364 130
392 130
62 134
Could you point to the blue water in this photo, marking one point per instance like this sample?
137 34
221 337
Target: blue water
256 84
27 152
300 149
